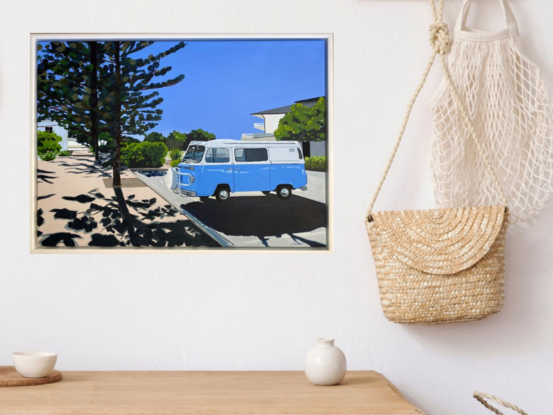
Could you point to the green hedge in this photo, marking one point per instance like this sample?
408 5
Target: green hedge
48 155
48 142
175 154
315 163
144 154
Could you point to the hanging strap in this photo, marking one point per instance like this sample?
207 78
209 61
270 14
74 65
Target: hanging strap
481 397
510 19
441 45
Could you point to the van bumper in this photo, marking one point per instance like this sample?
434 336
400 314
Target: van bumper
303 188
188 193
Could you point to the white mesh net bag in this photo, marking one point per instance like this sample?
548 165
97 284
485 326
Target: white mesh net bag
508 103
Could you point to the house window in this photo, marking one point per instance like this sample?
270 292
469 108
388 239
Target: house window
251 154
49 129
217 155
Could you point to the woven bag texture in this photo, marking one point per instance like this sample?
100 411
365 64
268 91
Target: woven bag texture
439 266
509 105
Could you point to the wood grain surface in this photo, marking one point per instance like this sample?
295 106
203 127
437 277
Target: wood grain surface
213 393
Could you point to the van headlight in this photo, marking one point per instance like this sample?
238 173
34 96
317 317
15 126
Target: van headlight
192 179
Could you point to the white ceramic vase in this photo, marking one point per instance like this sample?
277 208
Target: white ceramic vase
325 364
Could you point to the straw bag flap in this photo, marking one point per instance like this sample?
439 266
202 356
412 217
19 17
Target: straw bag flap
442 265
439 241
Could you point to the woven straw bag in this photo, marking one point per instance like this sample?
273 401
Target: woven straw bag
443 265
482 397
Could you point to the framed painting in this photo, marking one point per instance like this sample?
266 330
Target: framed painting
164 143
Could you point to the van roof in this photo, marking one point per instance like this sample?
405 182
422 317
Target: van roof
239 143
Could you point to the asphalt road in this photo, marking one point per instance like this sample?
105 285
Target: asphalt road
252 219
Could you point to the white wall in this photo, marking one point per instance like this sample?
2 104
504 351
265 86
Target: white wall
245 311
271 122
318 148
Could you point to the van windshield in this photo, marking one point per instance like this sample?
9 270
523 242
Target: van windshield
194 154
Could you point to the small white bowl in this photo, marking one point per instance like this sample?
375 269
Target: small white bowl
34 364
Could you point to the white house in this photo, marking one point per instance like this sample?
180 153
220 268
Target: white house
272 117
53 127
67 143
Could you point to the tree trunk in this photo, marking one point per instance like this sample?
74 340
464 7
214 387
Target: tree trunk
117 118
94 98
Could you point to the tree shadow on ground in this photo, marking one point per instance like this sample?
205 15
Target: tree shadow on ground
44 176
81 198
97 173
45 196
87 167
113 224
262 216
54 239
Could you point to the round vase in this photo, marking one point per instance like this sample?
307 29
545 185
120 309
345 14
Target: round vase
325 364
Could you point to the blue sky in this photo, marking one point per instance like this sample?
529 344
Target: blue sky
226 81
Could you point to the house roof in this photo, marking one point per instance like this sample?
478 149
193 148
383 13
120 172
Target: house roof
284 110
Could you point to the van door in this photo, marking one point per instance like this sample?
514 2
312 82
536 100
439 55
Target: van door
217 170
252 172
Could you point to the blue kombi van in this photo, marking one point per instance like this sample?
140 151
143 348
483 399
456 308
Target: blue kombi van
221 167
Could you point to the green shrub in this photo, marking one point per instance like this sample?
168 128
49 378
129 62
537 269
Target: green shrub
47 142
315 163
154 137
64 153
175 154
176 140
144 154
48 155
199 135
105 148
175 163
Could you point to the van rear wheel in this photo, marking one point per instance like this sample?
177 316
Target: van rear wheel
222 193
284 192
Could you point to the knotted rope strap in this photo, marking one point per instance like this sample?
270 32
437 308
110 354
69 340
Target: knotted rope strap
481 397
441 45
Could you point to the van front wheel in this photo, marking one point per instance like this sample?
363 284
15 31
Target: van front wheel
222 194
284 192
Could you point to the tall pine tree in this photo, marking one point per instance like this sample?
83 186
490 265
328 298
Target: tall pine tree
68 78
131 96
92 88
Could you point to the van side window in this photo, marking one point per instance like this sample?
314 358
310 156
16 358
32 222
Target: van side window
299 154
217 155
251 154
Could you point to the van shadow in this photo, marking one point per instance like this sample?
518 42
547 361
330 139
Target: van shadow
260 216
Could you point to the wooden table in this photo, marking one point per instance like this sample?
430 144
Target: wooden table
210 393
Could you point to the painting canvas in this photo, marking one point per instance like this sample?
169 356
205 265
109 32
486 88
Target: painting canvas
171 144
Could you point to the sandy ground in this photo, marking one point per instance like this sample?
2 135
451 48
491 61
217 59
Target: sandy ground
76 206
